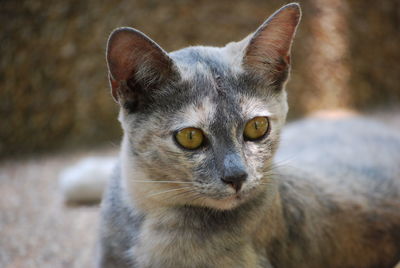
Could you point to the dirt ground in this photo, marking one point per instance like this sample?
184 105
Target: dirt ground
37 229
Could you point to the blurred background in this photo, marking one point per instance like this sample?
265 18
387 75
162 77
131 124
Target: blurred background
55 105
53 85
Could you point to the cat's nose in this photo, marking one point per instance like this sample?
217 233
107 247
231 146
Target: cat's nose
234 171
235 180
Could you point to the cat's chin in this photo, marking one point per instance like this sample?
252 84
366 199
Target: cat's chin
227 203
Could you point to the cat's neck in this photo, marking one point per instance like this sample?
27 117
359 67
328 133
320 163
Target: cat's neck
260 218
246 230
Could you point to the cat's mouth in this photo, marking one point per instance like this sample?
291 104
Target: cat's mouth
241 194
236 196
228 201
225 198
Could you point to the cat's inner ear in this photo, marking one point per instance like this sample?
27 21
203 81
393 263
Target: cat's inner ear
136 64
268 51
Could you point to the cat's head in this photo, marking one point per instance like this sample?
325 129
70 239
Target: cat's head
201 124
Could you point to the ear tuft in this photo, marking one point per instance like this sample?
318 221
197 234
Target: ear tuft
269 48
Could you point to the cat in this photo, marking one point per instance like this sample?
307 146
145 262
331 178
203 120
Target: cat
200 181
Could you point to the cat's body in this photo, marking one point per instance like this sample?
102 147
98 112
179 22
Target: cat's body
338 206
218 196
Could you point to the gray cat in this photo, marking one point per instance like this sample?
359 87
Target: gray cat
200 182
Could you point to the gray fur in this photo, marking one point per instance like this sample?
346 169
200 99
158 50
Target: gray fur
168 207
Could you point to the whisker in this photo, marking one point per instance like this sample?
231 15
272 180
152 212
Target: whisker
287 159
196 197
188 192
275 167
283 162
189 182
271 170
167 191
267 183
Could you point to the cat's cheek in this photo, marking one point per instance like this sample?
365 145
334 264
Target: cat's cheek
257 152
258 157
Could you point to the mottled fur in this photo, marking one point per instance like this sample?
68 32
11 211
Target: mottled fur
335 203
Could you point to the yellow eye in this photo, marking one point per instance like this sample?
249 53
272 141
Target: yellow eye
190 138
256 128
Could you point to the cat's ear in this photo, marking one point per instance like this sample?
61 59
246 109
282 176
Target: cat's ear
137 65
268 50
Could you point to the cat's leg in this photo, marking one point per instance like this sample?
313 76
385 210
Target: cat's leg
118 225
111 262
107 257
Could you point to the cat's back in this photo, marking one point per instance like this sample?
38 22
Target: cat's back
350 152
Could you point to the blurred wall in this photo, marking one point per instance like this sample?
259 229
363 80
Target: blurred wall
53 88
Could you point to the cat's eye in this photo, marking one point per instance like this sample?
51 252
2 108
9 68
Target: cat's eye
256 128
190 138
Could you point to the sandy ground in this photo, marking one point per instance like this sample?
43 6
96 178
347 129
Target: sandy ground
37 229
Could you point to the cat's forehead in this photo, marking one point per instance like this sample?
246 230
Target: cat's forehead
213 92
207 61
198 114
209 111
206 71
